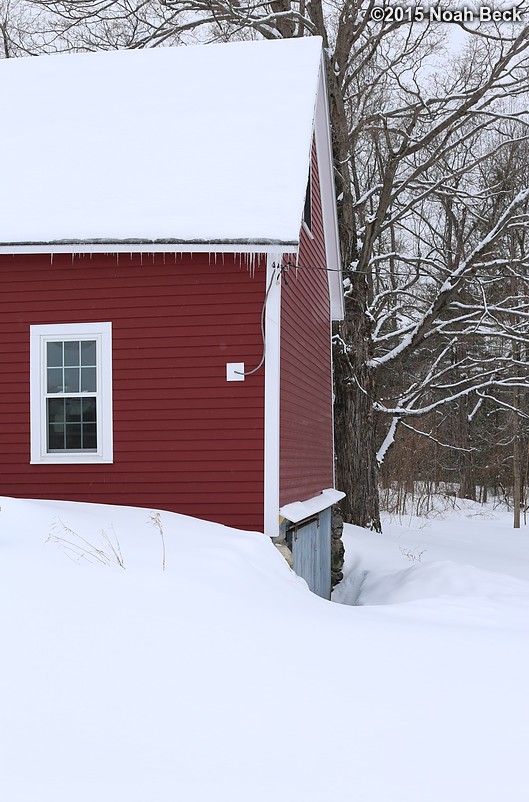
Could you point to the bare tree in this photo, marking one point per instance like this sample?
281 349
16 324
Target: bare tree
405 141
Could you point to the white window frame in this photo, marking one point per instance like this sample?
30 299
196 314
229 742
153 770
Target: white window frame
308 225
39 336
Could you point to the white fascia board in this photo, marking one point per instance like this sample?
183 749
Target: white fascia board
298 511
328 198
181 247
271 395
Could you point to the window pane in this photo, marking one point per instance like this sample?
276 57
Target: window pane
71 424
56 410
71 380
89 436
73 436
55 428
89 410
307 208
73 410
55 384
88 352
55 438
54 355
71 353
88 380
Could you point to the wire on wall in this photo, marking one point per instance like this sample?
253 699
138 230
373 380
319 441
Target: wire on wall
276 275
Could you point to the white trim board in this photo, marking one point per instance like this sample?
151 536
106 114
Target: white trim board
328 198
146 248
271 397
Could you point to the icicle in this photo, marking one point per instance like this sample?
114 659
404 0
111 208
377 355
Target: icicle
249 258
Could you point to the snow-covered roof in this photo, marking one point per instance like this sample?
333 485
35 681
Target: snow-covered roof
297 511
196 144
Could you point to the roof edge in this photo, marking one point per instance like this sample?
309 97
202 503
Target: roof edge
323 138
150 246
298 511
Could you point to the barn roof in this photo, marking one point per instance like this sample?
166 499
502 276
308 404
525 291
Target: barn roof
169 149
186 144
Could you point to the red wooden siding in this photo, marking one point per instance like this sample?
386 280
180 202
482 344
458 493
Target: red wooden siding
306 450
185 439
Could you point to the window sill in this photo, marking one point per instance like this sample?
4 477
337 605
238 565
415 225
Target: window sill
72 460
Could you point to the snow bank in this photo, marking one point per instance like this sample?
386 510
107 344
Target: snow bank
437 580
222 678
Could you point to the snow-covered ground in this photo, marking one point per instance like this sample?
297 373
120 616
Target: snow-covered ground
223 678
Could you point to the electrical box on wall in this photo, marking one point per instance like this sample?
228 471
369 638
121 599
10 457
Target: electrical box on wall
235 371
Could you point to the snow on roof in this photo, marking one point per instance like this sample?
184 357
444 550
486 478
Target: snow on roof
297 511
204 143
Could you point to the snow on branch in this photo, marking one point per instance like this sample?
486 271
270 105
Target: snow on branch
411 411
451 286
439 442
503 404
388 440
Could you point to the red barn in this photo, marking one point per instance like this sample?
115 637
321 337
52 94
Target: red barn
170 268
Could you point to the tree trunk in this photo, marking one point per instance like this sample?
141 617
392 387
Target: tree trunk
356 468
516 457
467 479
517 479
354 424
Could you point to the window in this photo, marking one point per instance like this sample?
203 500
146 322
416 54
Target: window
71 393
307 208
